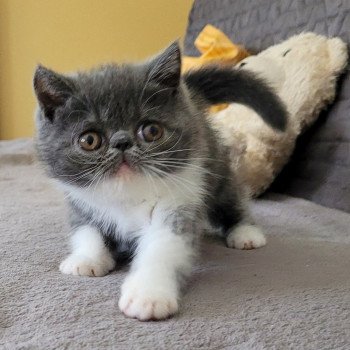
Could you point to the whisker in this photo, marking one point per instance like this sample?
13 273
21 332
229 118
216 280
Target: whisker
180 165
180 180
158 145
154 172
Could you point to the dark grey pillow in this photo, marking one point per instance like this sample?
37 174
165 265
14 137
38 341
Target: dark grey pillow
320 167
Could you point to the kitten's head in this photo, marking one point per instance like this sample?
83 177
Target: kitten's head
116 120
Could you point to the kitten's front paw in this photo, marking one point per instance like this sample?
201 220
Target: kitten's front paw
83 266
146 304
246 237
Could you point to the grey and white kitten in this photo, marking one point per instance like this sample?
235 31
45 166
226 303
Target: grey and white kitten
143 171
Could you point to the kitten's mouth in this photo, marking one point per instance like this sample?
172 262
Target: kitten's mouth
124 169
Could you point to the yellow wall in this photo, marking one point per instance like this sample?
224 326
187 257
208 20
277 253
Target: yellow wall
71 34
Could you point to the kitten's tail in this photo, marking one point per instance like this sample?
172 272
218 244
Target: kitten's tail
227 85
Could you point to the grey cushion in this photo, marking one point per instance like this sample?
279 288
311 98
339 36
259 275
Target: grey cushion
320 168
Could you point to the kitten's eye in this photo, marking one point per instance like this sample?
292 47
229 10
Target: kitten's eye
150 132
90 141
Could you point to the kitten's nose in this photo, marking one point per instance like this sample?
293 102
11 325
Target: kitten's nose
121 140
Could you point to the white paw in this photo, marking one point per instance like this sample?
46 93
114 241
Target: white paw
79 265
246 237
147 303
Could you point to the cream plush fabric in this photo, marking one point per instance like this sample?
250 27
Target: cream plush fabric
303 70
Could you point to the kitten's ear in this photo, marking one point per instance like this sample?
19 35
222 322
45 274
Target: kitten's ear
166 67
52 90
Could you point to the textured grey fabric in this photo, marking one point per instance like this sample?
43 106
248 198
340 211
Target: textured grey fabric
320 168
292 294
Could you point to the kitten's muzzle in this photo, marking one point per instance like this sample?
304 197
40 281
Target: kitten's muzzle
121 140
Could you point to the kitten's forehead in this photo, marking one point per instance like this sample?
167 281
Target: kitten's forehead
113 90
113 80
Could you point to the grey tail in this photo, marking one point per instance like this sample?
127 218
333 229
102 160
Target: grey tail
227 85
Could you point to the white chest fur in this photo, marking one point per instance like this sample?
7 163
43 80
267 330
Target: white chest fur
133 205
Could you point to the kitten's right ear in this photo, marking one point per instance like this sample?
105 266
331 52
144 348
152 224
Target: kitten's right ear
166 67
52 90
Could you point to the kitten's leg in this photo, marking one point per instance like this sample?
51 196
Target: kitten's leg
151 290
90 256
245 236
230 211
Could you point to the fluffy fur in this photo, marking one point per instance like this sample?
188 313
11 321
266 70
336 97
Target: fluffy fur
303 72
150 198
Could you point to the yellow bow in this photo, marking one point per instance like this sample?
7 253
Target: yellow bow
217 48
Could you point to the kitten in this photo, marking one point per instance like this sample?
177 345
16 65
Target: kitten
143 171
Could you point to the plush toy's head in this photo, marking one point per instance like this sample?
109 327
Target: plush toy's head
303 71
299 68
267 68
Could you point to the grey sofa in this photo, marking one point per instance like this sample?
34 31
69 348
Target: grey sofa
291 294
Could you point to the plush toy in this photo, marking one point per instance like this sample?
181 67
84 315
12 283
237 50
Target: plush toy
303 70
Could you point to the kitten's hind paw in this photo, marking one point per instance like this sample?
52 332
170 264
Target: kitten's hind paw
83 266
246 236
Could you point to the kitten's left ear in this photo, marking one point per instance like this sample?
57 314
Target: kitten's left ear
52 90
166 67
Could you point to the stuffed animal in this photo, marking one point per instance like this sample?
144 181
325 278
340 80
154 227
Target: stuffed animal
303 70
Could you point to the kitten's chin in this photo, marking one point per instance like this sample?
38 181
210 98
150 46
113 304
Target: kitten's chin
125 172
